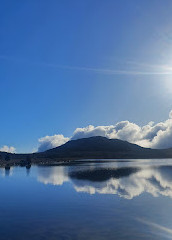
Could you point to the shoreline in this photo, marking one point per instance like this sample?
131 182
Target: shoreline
28 165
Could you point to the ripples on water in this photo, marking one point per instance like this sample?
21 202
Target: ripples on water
89 200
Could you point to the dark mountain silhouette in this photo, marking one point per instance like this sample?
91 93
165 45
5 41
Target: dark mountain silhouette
89 148
104 148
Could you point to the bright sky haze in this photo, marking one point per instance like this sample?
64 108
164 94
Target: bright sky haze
70 64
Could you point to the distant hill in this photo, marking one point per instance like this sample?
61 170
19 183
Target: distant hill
104 148
89 148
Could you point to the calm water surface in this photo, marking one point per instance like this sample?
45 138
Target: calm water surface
112 200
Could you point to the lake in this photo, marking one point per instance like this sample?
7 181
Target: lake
127 199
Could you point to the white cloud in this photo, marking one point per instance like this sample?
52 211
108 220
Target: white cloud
151 135
170 114
8 149
49 142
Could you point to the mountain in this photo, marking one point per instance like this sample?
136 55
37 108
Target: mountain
88 148
103 148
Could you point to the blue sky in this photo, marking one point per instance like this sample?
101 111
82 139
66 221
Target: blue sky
69 64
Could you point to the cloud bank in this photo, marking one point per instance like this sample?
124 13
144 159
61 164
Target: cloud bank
8 149
152 135
49 142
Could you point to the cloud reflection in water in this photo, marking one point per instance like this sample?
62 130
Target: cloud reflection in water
127 182
52 175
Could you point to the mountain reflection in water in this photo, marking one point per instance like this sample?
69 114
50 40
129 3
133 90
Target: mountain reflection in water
127 180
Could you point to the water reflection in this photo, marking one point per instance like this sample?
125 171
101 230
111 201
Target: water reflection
28 171
88 201
125 181
9 170
52 175
161 229
6 172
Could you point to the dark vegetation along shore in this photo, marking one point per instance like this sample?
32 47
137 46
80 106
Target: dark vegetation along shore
85 148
